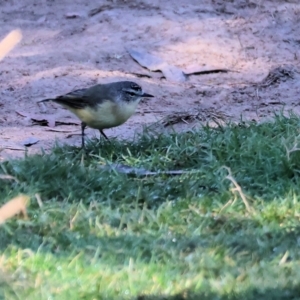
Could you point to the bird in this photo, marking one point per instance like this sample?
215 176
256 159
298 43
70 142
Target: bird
102 106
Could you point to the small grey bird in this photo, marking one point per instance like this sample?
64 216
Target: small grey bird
104 105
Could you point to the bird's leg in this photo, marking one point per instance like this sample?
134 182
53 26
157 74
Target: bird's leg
102 133
83 125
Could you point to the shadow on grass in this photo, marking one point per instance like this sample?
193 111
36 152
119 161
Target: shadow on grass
242 240
289 293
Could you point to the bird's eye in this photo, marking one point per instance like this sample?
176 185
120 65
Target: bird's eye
131 93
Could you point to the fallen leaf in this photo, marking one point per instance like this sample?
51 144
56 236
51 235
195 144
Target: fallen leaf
13 207
154 63
151 62
30 141
9 42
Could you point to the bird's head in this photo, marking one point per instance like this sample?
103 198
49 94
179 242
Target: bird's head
131 91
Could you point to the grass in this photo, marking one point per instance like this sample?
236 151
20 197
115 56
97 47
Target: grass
101 234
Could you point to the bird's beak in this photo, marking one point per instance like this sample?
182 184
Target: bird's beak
145 95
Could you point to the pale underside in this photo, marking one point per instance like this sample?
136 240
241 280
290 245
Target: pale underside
106 114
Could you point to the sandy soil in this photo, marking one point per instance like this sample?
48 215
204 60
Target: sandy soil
70 44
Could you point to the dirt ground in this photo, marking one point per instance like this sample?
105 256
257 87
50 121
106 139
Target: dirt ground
71 44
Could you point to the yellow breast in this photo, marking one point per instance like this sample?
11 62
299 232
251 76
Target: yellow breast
106 115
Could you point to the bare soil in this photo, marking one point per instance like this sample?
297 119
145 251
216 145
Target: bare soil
71 44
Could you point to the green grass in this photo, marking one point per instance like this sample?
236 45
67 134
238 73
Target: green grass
105 235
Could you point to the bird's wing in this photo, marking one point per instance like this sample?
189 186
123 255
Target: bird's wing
77 93
74 99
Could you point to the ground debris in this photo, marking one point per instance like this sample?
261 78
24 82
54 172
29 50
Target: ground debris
188 117
99 9
277 75
154 63
45 120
